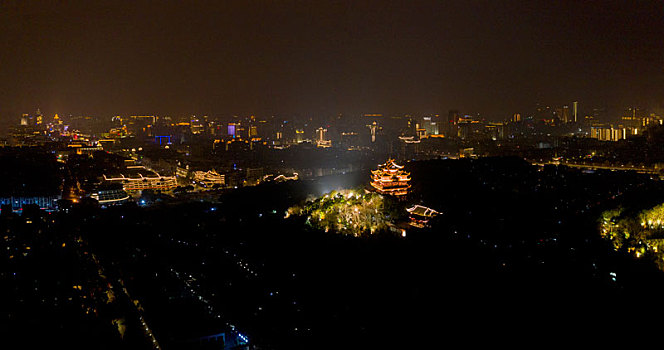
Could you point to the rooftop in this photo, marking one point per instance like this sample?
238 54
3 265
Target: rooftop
422 211
133 172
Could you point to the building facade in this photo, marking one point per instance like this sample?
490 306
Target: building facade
391 179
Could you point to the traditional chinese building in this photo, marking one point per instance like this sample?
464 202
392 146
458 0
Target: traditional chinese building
420 215
138 178
209 178
390 178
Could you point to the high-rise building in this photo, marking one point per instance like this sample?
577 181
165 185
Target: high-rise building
299 135
430 125
39 118
321 134
575 111
410 128
321 138
196 126
373 126
435 124
495 130
452 127
565 116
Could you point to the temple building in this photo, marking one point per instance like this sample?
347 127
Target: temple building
110 196
209 178
137 178
420 215
390 178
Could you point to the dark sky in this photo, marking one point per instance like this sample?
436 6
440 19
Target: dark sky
323 58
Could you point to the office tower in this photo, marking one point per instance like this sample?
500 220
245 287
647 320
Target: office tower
299 135
373 126
321 134
565 117
321 138
430 125
452 123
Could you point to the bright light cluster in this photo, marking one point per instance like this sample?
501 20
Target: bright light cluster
641 235
346 212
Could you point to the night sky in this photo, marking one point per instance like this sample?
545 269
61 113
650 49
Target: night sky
318 58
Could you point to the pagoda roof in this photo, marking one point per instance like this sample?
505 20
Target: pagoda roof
392 178
389 173
390 164
422 211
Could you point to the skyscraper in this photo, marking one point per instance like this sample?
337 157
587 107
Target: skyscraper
373 126
321 138
430 125
451 129
321 134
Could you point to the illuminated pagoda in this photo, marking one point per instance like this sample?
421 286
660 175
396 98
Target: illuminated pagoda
390 178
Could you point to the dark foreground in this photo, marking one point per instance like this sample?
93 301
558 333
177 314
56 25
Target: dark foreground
514 259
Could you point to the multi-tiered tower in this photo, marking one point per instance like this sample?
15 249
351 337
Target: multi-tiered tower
390 178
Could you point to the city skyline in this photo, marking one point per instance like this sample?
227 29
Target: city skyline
326 58
363 174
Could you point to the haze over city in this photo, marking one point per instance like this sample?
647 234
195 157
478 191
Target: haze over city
266 175
323 58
